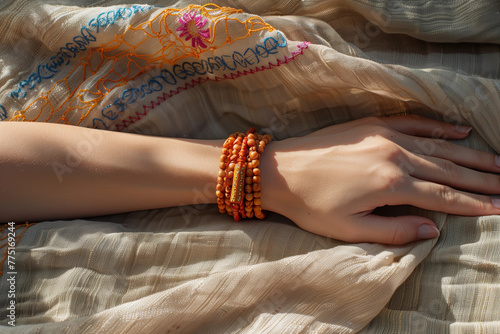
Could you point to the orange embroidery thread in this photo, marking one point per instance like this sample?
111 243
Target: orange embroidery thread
160 43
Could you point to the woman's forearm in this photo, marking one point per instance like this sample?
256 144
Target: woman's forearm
328 182
53 171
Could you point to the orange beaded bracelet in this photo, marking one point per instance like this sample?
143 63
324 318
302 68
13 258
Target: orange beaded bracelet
238 184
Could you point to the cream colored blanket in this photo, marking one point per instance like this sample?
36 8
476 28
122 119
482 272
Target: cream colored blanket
288 68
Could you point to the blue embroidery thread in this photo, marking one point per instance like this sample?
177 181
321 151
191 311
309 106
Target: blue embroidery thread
251 56
109 18
70 50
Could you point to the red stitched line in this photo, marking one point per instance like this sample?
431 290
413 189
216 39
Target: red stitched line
199 81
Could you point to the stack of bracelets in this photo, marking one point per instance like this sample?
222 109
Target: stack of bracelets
238 185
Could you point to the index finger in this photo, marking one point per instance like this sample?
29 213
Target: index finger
415 125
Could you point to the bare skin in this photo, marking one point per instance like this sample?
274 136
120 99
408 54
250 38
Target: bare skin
328 182
334 178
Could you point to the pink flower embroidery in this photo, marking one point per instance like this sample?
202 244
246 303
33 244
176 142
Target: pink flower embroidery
192 26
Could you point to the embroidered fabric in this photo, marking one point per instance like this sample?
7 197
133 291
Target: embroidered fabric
171 68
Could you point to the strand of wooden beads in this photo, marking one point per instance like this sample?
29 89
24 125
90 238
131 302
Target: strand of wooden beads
238 184
221 179
249 176
254 157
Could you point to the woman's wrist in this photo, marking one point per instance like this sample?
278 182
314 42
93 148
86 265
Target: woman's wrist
275 194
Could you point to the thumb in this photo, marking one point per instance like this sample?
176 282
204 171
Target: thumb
397 230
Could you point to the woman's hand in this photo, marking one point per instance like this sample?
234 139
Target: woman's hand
329 182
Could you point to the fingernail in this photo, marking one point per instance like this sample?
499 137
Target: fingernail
496 202
463 128
427 232
497 160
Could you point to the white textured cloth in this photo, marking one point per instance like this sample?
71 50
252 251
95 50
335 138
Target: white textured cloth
287 68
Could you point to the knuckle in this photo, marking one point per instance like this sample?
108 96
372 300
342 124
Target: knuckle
385 132
451 169
390 151
448 195
481 206
391 179
444 145
398 234
378 127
